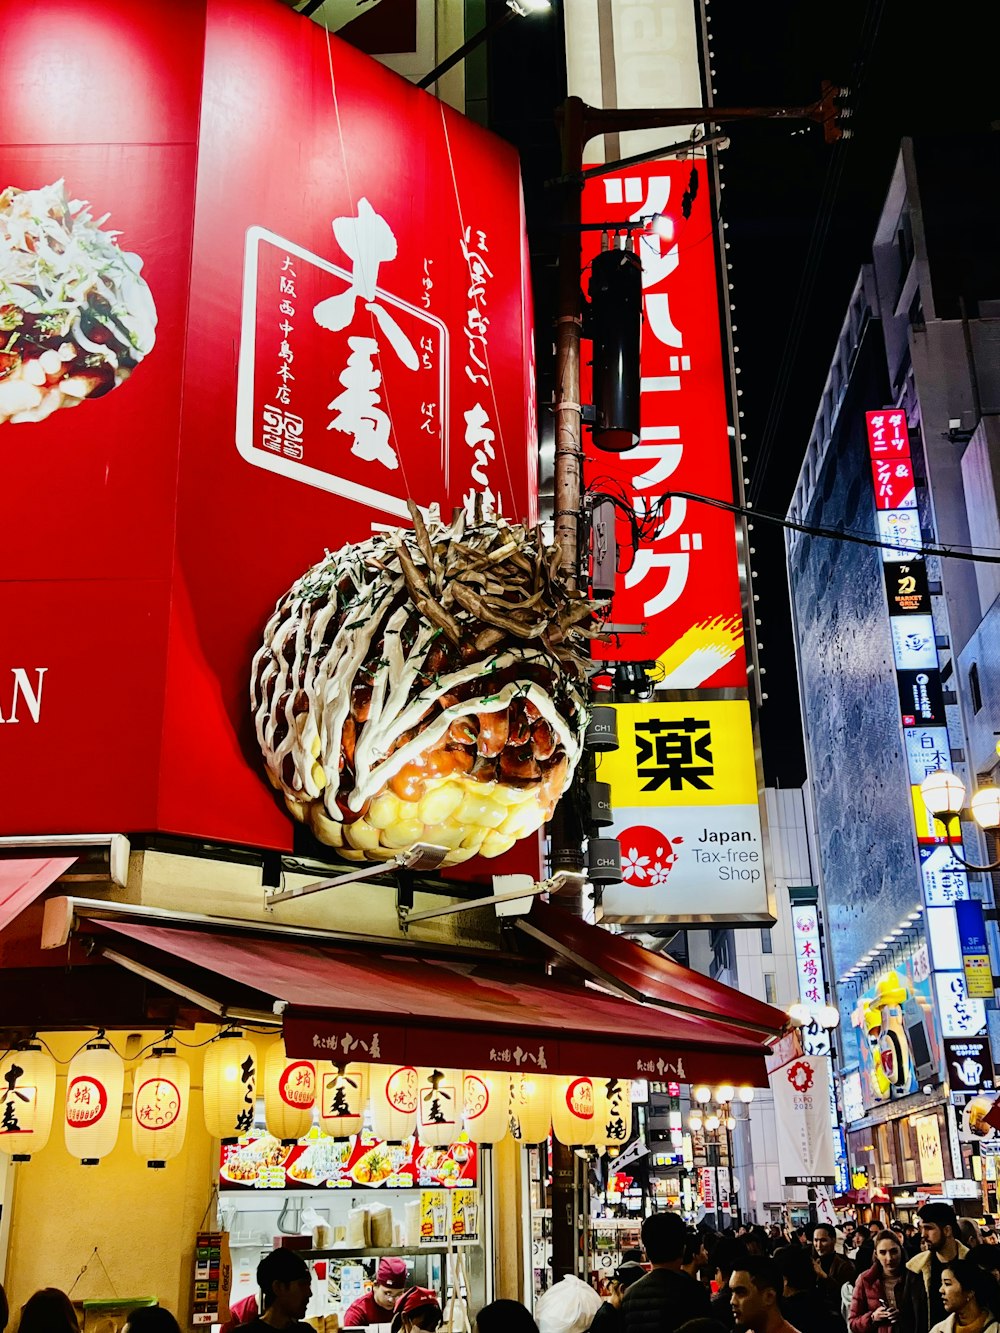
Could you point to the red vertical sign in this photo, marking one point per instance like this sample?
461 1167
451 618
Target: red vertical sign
683 585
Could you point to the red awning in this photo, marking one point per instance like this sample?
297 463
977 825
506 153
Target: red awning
375 1003
652 978
23 879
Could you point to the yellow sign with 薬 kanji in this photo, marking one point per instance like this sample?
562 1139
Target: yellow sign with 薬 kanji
690 753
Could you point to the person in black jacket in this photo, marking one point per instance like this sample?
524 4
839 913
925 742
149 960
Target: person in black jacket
667 1297
801 1301
609 1317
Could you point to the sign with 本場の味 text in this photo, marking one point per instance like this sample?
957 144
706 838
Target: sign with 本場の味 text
809 969
684 798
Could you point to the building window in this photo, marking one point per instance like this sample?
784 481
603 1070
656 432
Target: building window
974 688
766 945
770 989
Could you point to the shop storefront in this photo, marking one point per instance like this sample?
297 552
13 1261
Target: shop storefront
363 1157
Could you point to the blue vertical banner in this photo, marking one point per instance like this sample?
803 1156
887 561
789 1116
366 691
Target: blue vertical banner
975 949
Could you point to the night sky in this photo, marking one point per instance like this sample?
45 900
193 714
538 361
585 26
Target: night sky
801 216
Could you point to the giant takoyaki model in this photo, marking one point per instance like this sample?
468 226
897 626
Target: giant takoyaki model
425 686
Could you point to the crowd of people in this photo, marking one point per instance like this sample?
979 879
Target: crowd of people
51 1311
941 1275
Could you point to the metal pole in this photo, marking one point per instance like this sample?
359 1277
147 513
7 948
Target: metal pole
475 40
569 452
578 124
731 1166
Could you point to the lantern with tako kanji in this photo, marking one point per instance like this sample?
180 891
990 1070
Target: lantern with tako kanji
95 1085
487 1109
230 1086
530 1107
343 1095
440 1103
394 1101
27 1099
573 1105
161 1095
289 1094
612 1112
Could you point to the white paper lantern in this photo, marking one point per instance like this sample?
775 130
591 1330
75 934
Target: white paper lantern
343 1096
487 1105
612 1112
160 1102
394 1101
230 1086
530 1109
27 1100
95 1085
289 1094
440 1103
573 1106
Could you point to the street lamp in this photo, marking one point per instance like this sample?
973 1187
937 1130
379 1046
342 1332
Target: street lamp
713 1116
945 798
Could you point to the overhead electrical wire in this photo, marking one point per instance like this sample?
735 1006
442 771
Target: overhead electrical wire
977 555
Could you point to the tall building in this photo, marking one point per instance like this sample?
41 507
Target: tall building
899 675
770 964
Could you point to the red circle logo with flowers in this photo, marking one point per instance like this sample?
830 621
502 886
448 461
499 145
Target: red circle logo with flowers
648 856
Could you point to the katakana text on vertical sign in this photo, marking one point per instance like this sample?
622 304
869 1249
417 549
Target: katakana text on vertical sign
684 584
684 798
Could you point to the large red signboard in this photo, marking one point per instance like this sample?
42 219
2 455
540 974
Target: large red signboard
683 585
288 290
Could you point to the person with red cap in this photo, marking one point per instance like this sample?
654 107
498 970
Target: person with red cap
376 1306
417 1309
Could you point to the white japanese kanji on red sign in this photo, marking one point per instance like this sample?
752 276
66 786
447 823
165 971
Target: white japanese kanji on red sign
684 584
342 385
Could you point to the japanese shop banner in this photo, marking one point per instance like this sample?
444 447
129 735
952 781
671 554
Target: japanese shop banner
928 1134
906 587
812 982
801 1092
975 949
921 699
308 326
969 1064
684 585
684 800
619 1056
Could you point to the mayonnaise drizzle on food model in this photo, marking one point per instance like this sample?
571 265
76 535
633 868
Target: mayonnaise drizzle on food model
425 686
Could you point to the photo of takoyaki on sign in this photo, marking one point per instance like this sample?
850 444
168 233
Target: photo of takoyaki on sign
76 316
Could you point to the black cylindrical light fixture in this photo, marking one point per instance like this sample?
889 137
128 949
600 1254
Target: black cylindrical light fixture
599 799
616 321
604 861
601 735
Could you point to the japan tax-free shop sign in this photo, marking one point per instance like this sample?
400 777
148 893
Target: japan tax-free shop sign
684 799
263 291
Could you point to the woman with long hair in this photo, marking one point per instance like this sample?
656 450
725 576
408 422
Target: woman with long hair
48 1311
874 1304
971 1299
